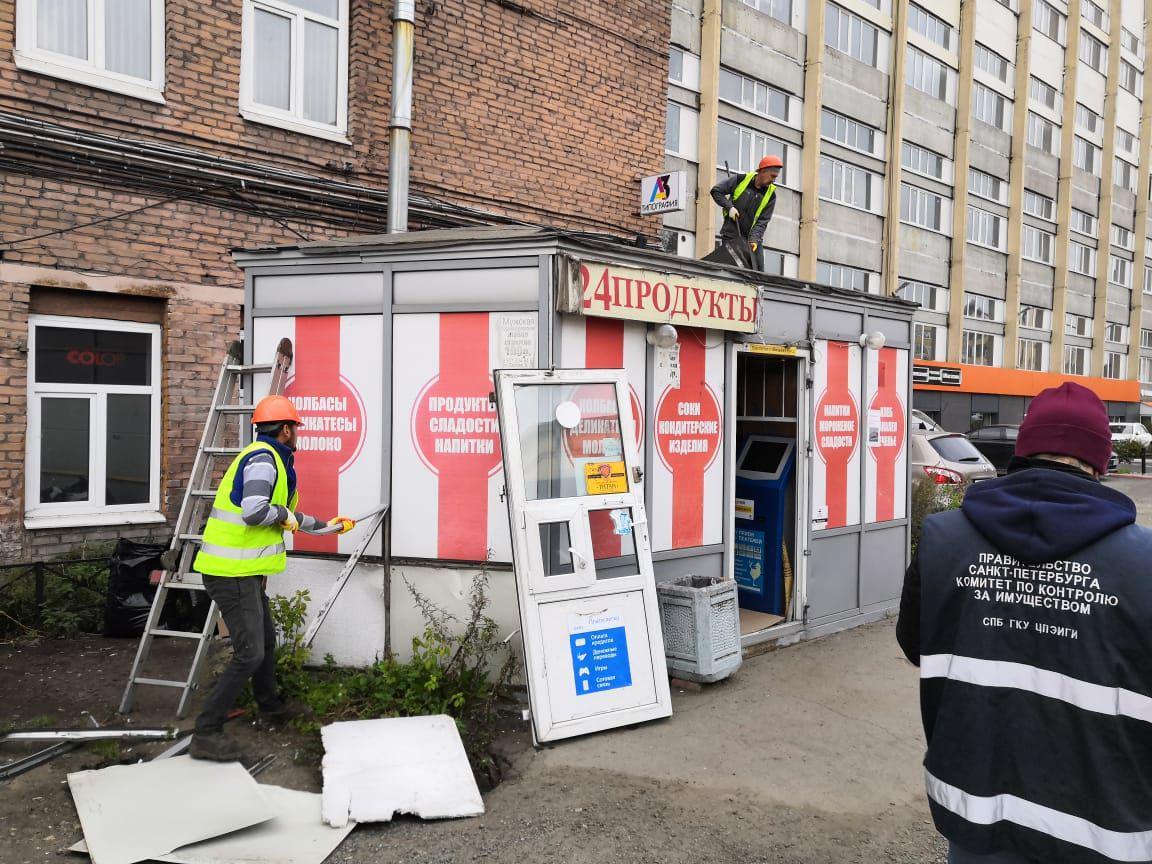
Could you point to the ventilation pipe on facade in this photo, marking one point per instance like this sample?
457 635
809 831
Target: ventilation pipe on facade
400 129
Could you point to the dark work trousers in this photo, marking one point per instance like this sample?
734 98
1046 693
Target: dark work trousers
244 607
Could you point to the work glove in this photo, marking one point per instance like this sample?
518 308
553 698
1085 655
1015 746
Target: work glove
345 523
754 245
734 214
290 523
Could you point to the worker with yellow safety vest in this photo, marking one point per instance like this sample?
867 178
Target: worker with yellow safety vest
243 543
749 201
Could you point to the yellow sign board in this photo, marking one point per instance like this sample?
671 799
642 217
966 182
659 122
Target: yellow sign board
605 478
773 350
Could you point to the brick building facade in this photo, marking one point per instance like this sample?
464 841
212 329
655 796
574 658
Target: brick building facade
121 194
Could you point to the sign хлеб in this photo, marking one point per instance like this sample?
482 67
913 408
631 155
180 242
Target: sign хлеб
611 291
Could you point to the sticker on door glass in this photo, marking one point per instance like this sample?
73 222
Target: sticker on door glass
605 478
621 521
599 652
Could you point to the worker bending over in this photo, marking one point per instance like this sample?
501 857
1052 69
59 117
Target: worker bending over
749 201
244 543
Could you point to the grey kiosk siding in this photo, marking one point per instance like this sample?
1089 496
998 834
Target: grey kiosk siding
853 574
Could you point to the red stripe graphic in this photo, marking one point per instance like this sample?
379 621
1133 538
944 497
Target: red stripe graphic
317 372
837 432
604 349
462 519
688 438
886 451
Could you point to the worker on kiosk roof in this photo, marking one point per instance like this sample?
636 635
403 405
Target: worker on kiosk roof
244 543
749 201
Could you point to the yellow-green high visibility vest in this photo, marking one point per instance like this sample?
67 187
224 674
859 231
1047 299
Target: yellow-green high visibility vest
763 201
233 548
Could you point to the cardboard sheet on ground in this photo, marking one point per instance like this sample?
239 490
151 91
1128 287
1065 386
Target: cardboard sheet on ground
132 813
296 835
374 769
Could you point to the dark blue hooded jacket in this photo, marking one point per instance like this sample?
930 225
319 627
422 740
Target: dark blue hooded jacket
1029 611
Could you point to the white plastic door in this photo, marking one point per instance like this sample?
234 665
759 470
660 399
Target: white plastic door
594 653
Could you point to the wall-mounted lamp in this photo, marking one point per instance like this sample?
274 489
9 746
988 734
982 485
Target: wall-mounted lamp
662 336
874 340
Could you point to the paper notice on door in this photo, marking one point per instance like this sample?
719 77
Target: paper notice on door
605 478
875 418
516 341
668 361
599 646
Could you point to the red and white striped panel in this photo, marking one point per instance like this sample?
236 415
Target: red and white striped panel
836 468
336 386
886 495
687 504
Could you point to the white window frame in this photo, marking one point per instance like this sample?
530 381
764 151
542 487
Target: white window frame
1081 364
90 71
932 27
1074 253
1125 141
938 342
979 307
1145 338
1031 345
989 106
846 131
916 207
771 8
93 511
1120 271
759 144
1147 277
748 82
1121 362
981 184
835 276
1042 14
1043 93
294 120
1128 71
842 179
1036 318
1124 174
984 58
1087 119
1039 205
1039 130
925 74
1093 48
1089 228
1123 237
985 220
687 132
1037 245
689 69
1099 19
932 298
968 347
1129 41
1115 333
850 29
914 156
1083 147
1146 370
1077 325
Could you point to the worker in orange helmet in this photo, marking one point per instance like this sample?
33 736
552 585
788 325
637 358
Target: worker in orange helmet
243 543
749 200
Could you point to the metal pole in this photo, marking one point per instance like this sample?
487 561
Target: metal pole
400 129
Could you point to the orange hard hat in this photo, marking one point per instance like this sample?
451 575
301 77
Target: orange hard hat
770 162
275 409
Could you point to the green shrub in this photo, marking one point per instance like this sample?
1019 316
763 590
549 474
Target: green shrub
74 592
458 667
1128 451
929 498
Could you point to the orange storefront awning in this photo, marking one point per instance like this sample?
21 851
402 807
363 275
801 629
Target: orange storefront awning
1016 382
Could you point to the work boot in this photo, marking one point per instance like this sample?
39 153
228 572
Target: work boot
283 711
215 747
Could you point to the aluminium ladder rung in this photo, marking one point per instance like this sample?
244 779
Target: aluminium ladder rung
203 493
223 451
176 634
195 538
160 682
176 583
242 369
235 409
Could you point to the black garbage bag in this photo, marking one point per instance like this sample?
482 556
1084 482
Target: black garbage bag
130 593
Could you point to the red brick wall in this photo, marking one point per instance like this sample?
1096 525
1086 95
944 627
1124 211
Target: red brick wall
548 114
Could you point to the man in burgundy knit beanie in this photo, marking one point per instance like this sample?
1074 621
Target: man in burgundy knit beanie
1027 611
1069 420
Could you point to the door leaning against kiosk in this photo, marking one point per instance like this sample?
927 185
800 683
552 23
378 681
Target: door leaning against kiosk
593 650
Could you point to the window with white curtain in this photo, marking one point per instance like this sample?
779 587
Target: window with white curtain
979 349
1130 41
1130 78
1036 245
1119 271
981 308
1147 276
1075 360
851 133
1117 333
1086 155
1115 365
921 160
986 229
1093 51
1094 13
1123 237
851 34
294 68
1077 325
741 149
931 297
1040 206
926 24
1035 317
928 75
1049 21
985 58
111 44
988 105
1124 174
921 207
1084 223
1042 92
1042 133
1081 259
1032 354
1088 119
1125 141
1146 370
987 186
848 184
927 341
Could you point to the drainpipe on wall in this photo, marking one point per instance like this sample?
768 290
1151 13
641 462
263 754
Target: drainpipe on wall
400 129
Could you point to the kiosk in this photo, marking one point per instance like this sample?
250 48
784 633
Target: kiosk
763 474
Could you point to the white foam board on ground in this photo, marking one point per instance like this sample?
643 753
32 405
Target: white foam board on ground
133 813
296 835
374 769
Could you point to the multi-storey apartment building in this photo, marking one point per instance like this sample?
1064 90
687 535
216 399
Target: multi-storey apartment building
142 140
988 159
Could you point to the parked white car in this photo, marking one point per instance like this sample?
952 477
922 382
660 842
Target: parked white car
921 422
1131 432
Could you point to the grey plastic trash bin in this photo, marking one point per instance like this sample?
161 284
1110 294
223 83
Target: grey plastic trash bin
701 622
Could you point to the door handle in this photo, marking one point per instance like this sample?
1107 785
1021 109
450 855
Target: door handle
637 474
581 561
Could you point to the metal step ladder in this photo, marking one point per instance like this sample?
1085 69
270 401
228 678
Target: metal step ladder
223 438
